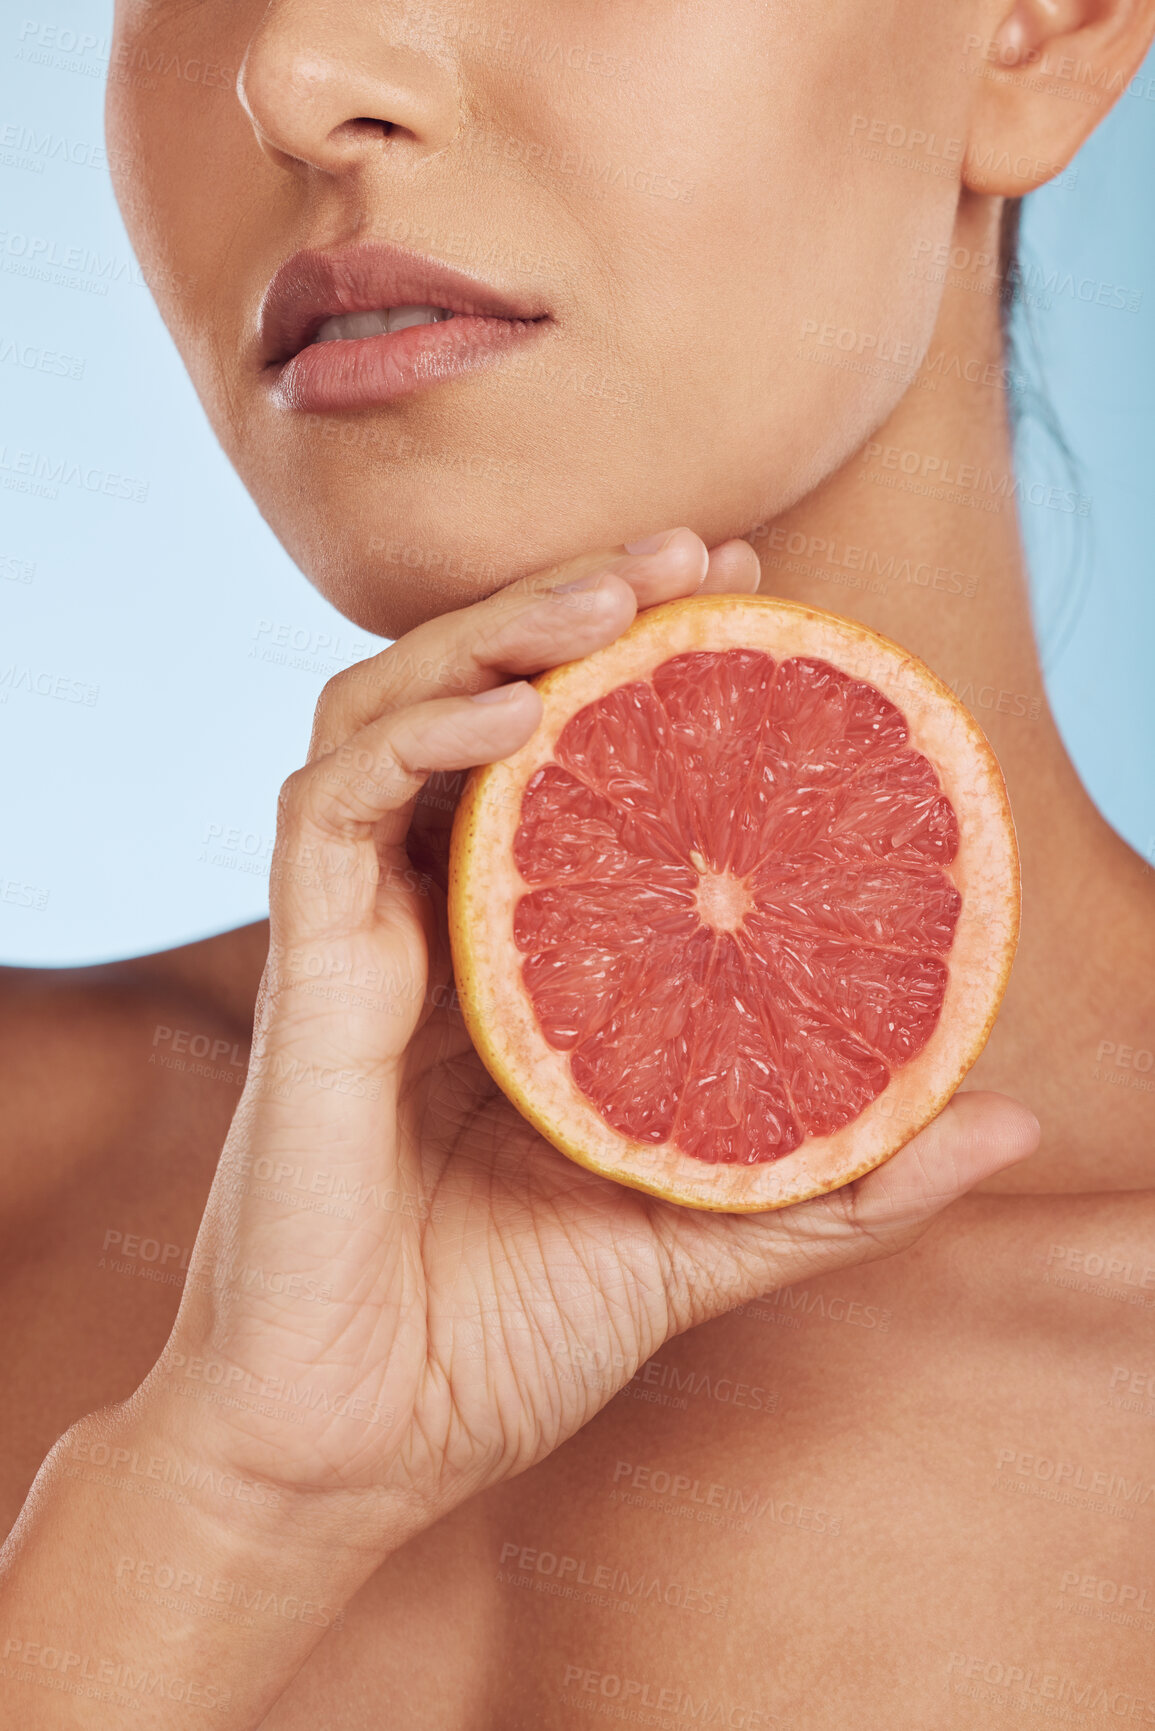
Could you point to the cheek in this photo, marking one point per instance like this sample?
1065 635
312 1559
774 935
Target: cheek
802 335
184 162
776 310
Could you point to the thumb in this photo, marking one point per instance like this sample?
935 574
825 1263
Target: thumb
719 1260
975 1135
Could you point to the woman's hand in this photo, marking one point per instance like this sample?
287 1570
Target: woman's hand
397 1283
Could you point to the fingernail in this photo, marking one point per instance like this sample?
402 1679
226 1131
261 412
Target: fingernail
651 543
589 581
500 693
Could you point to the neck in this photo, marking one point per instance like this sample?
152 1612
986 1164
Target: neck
945 576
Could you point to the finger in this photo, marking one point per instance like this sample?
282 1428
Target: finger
538 622
346 808
975 1135
378 772
723 1260
733 569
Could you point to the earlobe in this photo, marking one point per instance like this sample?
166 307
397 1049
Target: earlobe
1043 81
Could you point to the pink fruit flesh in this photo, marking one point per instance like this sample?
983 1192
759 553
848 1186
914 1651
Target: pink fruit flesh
740 911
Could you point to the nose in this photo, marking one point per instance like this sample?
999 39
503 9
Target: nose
325 83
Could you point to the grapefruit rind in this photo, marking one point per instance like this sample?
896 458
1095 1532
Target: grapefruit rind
485 887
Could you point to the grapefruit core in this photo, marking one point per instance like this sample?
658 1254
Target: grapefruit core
735 923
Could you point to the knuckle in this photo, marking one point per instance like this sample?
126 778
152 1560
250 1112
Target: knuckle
441 666
337 692
363 778
291 798
492 629
541 582
356 695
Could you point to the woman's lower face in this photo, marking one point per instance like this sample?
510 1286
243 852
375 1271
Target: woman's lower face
673 196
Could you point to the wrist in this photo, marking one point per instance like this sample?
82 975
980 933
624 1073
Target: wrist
161 1455
156 1573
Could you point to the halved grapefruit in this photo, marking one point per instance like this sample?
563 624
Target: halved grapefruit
735 923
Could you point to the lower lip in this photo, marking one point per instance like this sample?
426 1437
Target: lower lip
359 372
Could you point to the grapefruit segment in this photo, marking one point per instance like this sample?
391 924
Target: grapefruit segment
737 920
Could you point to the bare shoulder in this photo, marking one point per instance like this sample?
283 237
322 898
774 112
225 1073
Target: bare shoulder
97 1061
119 1083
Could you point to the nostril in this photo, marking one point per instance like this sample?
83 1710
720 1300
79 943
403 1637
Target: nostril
365 123
323 104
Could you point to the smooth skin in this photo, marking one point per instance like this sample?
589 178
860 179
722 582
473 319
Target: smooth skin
479 1327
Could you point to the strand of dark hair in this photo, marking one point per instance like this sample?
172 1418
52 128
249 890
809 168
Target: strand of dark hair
1009 226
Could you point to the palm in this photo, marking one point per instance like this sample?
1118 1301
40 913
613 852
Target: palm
545 1286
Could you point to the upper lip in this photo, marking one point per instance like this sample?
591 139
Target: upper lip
313 286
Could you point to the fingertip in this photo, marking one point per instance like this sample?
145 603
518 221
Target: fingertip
1000 1131
974 1136
733 569
502 728
686 555
511 714
674 567
512 692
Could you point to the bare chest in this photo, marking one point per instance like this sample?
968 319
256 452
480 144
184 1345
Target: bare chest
922 1492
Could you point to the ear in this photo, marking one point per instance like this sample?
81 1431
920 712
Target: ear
1045 77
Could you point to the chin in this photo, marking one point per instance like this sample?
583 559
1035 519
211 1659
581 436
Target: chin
390 599
392 577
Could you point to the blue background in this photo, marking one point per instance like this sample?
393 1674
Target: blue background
178 651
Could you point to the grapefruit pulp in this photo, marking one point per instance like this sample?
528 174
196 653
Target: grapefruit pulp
736 921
